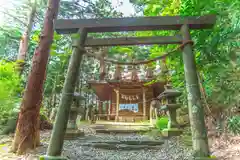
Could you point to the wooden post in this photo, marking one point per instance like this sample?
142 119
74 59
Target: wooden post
144 103
117 104
60 125
111 106
109 110
100 108
196 113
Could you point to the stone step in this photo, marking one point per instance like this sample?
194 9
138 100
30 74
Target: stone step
119 147
120 125
132 142
127 131
96 126
106 123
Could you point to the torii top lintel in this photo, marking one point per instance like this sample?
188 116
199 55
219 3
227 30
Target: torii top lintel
68 26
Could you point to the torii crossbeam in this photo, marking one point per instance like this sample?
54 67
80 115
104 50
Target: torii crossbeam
68 26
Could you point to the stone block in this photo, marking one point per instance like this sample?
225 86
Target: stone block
171 132
73 134
52 158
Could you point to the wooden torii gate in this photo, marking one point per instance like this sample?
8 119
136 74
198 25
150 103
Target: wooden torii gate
85 26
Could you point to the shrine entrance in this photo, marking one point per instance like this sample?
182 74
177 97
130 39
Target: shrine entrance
85 26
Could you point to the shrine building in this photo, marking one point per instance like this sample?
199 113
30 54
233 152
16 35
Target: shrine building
128 94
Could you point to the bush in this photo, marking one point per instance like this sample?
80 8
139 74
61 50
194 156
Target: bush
234 124
9 88
162 123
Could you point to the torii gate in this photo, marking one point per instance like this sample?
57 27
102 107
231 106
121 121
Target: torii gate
85 26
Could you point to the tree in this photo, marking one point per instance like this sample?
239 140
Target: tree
27 131
23 47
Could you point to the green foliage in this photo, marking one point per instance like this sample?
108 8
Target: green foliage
9 87
9 40
215 49
234 124
162 123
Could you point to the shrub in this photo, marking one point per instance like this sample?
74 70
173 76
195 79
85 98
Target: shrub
9 87
234 124
162 123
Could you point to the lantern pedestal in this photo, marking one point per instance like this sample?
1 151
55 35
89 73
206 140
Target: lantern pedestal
169 98
72 131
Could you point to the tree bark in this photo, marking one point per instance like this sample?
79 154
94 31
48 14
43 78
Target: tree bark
60 125
27 131
23 46
196 113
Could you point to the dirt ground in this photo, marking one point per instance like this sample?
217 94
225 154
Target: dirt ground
226 148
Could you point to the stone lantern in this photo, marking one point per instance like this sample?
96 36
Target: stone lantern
168 98
72 131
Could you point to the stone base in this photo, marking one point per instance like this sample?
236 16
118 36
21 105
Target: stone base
206 158
171 132
73 134
51 158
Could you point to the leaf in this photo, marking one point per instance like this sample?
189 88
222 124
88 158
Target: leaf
57 36
54 46
53 53
125 50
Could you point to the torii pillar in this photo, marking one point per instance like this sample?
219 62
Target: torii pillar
196 112
60 125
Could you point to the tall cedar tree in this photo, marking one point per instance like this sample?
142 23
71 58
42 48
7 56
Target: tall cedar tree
27 131
23 47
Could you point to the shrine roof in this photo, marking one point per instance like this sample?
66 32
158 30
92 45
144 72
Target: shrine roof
123 83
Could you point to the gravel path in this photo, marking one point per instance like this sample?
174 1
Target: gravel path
170 150
73 150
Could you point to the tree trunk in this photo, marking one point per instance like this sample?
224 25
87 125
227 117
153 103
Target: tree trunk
27 131
23 47
196 113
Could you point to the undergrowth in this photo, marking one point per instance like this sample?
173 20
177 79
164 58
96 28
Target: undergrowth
234 124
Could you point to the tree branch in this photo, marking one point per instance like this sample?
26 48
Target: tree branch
15 18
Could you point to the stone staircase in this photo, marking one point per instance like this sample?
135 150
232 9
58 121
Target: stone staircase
121 136
125 144
120 127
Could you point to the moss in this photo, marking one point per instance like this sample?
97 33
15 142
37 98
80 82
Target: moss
51 158
206 158
43 117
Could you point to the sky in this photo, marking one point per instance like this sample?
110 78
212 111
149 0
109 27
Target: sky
126 8
7 4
